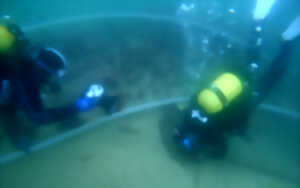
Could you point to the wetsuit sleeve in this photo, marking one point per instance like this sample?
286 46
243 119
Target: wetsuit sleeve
29 100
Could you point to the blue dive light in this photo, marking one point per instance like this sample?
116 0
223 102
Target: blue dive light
91 98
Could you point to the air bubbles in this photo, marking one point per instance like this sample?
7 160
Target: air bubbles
255 94
223 34
259 42
229 46
210 11
193 73
204 50
6 16
186 7
221 52
254 66
231 11
258 29
205 41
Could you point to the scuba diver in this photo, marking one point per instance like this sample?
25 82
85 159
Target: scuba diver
222 108
25 70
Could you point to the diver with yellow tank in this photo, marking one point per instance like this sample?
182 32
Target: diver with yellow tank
222 108
25 70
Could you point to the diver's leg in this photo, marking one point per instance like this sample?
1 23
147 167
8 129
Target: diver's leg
293 31
276 70
280 64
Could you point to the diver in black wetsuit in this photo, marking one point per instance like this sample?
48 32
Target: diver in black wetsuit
24 71
222 108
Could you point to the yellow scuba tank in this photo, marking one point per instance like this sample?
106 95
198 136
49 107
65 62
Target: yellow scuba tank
12 43
7 40
221 93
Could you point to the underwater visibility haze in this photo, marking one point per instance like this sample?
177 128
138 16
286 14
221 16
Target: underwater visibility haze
162 93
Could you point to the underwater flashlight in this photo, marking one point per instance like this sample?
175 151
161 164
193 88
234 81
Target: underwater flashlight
187 143
95 91
91 98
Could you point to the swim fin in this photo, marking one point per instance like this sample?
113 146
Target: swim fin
292 31
262 9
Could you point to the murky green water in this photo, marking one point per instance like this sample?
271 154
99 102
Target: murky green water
146 58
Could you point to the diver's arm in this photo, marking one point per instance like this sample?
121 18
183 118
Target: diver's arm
108 103
32 104
57 114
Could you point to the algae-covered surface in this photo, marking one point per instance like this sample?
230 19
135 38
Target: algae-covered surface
144 60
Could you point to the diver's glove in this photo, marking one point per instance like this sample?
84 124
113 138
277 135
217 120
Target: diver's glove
91 98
